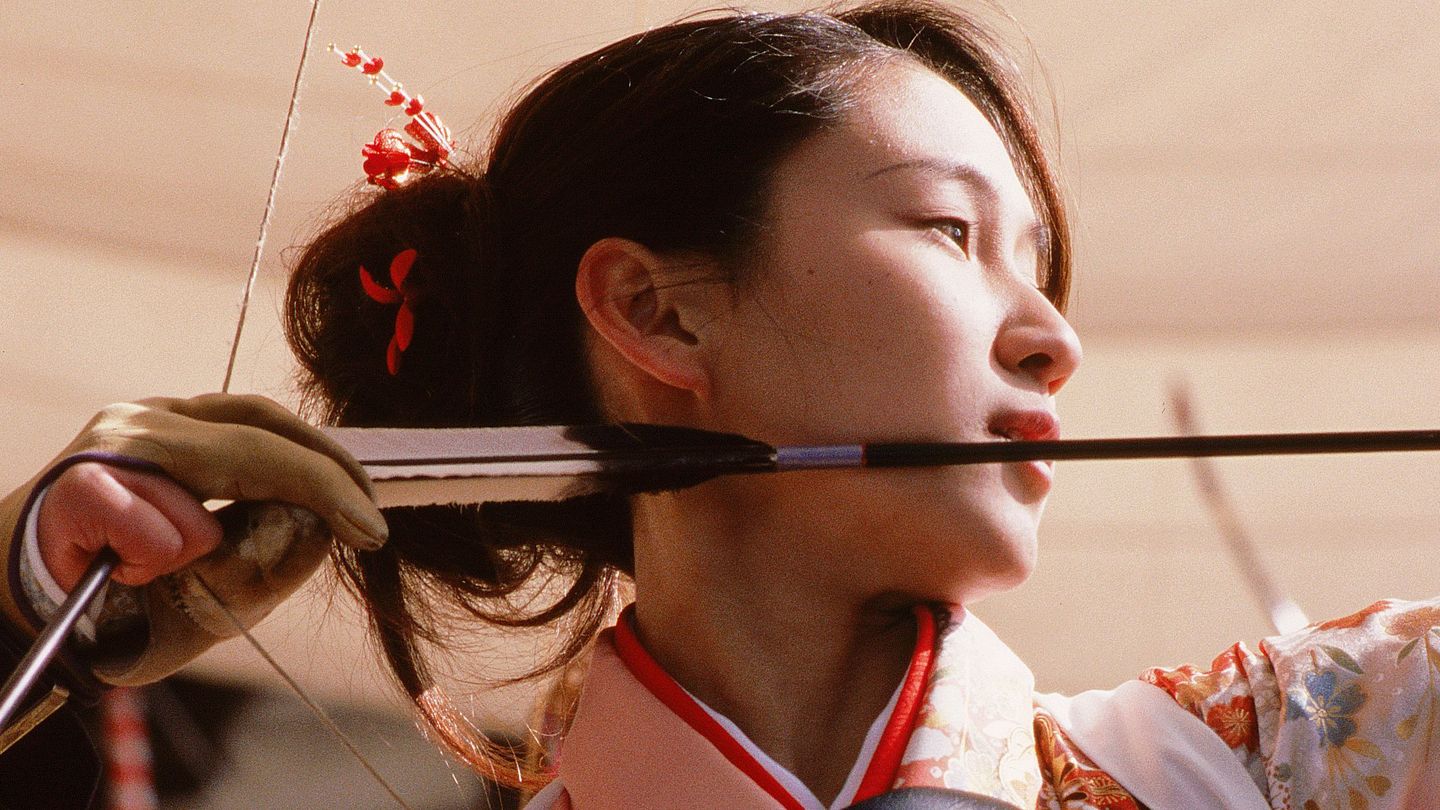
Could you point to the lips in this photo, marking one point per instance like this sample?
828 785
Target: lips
1025 426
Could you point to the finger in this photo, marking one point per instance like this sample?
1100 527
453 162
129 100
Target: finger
153 524
198 530
264 413
245 463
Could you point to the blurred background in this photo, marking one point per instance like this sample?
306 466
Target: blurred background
1255 186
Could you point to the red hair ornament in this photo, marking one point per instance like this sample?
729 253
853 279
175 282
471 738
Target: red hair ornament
390 159
402 294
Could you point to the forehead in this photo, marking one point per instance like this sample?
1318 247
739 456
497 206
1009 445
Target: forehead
909 117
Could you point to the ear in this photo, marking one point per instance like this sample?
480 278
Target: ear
632 299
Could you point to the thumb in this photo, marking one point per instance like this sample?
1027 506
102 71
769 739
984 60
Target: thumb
153 524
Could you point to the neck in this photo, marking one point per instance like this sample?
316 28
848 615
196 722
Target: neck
801 665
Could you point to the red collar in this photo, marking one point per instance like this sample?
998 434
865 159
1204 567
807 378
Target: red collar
884 763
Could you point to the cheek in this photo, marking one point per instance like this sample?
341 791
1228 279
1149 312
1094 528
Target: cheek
921 329
862 341
907 296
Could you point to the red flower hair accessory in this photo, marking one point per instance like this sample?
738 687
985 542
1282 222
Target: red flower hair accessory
401 294
390 159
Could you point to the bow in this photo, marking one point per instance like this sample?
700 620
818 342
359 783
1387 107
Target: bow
1284 614
48 643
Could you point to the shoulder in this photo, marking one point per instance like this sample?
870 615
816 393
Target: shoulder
1381 635
1342 708
1359 694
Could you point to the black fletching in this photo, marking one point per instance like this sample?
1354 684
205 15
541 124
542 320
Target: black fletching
659 458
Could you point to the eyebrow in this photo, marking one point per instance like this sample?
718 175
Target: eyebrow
977 181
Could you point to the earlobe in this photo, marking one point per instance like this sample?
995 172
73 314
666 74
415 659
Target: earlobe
621 287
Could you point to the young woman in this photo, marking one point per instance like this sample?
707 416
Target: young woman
802 228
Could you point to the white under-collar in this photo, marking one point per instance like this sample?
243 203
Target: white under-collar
790 781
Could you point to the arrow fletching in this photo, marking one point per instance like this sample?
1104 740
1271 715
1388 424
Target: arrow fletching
421 466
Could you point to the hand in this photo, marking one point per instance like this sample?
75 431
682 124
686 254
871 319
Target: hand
154 525
213 446
170 455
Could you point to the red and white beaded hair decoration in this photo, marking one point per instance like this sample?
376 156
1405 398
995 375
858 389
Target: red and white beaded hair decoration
390 159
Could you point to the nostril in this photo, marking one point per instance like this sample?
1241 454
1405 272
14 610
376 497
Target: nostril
1039 361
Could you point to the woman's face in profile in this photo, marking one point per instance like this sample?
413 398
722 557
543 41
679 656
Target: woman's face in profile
895 298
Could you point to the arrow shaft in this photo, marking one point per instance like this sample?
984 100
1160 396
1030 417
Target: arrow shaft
744 455
914 454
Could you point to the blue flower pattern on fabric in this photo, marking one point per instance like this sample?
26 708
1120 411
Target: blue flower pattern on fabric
1330 709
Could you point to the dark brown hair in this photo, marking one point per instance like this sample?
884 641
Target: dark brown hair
667 138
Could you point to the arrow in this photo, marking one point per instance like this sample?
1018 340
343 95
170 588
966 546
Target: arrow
416 466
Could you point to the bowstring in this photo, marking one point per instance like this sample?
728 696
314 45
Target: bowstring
265 218
280 158
300 693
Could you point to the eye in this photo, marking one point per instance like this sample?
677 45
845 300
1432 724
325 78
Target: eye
956 231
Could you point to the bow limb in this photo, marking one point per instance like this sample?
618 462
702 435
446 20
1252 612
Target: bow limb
1284 614
275 174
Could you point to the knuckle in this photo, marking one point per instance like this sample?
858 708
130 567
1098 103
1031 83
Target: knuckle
261 402
89 490
253 404
117 412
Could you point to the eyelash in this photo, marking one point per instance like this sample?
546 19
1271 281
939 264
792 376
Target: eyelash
955 230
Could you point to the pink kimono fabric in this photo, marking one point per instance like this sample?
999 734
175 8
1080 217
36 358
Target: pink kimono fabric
1339 715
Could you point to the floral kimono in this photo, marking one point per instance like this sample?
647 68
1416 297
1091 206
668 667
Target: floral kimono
1339 715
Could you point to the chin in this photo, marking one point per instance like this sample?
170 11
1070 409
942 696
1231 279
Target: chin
953 532
1005 558
1020 569
1008 569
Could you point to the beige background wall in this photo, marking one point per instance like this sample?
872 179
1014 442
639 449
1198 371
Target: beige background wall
1256 200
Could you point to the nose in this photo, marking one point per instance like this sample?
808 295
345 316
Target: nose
1037 343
